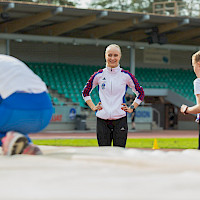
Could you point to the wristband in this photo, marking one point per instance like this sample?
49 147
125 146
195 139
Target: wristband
185 111
132 107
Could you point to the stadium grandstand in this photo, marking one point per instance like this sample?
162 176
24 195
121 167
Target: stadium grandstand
65 46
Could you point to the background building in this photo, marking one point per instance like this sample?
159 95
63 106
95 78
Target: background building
65 45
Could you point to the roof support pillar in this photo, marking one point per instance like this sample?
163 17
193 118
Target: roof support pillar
132 60
7 47
4 46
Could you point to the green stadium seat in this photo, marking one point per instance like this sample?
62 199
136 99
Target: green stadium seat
69 80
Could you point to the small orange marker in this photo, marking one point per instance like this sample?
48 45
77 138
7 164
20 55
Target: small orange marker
155 144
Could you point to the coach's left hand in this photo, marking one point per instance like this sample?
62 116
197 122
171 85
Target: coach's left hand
126 108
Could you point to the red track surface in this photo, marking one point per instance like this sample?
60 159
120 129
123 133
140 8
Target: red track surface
137 134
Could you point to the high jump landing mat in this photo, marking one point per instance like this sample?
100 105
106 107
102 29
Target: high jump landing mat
93 173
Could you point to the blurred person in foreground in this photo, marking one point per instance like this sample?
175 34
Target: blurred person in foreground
196 108
112 110
25 107
133 120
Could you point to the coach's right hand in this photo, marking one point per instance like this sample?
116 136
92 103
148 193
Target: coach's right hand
92 106
97 107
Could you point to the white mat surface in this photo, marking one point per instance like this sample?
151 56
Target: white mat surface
101 173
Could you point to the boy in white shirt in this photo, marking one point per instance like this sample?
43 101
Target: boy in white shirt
196 108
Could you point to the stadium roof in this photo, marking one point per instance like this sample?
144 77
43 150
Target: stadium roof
31 19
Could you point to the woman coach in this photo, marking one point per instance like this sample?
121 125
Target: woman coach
111 110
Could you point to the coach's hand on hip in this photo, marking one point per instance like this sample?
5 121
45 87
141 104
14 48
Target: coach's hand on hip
97 107
126 108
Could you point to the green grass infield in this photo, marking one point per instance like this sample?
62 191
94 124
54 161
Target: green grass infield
163 143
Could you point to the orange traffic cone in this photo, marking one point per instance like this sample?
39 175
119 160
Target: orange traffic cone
155 144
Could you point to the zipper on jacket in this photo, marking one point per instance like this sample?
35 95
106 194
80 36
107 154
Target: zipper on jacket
111 98
111 94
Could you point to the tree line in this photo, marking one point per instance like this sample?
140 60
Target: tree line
184 7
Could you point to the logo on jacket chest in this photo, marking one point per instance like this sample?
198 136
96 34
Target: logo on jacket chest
103 86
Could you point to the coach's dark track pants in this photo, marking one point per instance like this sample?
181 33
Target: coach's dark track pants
112 130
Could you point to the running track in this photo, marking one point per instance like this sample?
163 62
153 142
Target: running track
136 134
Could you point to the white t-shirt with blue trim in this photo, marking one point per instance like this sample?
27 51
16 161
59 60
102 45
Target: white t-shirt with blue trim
197 91
16 76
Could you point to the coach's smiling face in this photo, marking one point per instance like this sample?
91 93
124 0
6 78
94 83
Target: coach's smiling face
112 56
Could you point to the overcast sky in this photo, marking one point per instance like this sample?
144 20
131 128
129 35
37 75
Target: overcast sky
84 3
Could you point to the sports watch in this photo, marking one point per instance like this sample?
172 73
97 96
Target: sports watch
185 111
132 107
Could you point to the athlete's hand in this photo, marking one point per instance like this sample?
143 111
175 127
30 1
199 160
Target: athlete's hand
97 107
184 109
126 108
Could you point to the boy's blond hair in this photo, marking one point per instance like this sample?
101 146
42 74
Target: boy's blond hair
196 57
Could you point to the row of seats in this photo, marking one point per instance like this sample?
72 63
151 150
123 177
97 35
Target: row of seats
177 80
69 80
